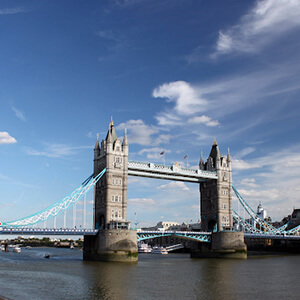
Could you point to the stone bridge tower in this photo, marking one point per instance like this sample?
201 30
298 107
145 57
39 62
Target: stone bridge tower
111 190
216 195
114 241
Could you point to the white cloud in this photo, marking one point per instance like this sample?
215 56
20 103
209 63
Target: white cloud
55 150
187 100
153 153
275 184
251 182
203 120
90 135
174 185
11 11
167 118
140 133
244 152
109 35
265 22
239 164
266 195
19 114
162 139
141 201
6 138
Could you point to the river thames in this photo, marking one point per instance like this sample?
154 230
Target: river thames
28 275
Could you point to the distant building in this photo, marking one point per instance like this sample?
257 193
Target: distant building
175 226
262 213
294 218
162 226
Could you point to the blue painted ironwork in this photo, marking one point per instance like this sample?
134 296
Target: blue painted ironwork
59 206
262 223
47 231
246 225
198 236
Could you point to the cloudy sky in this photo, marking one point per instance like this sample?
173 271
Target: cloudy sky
175 73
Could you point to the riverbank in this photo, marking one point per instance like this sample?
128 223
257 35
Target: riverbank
43 242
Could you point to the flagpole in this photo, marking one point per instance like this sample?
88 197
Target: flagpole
187 162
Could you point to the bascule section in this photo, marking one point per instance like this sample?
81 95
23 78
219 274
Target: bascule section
216 195
114 240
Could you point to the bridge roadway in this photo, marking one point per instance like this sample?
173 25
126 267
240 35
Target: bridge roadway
142 234
174 172
48 231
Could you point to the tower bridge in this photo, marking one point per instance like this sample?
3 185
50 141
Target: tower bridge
111 238
115 242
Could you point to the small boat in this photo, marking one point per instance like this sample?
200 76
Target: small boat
28 247
47 256
17 249
144 248
159 250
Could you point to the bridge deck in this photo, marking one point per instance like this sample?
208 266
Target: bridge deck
174 172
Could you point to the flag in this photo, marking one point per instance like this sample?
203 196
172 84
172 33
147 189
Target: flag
185 157
162 153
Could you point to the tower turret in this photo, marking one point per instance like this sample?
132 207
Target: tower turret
201 163
97 147
216 207
111 189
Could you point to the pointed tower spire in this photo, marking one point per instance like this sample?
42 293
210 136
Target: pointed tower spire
215 154
125 142
215 142
111 134
228 155
201 163
97 147
201 158
108 137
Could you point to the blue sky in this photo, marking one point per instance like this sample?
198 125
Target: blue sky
175 73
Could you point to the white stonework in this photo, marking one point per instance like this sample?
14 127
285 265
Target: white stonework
111 189
216 195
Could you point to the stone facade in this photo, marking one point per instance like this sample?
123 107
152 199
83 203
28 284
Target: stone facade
216 195
119 245
111 189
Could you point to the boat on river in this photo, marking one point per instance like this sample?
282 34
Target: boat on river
17 249
144 248
159 250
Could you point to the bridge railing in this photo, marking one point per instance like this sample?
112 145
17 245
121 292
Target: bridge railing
174 169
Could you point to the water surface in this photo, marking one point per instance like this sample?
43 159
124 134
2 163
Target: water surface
28 275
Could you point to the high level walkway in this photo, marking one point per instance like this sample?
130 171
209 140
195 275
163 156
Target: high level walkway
174 172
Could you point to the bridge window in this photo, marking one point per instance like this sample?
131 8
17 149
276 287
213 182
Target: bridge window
225 221
113 198
112 213
224 206
224 192
120 214
120 198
